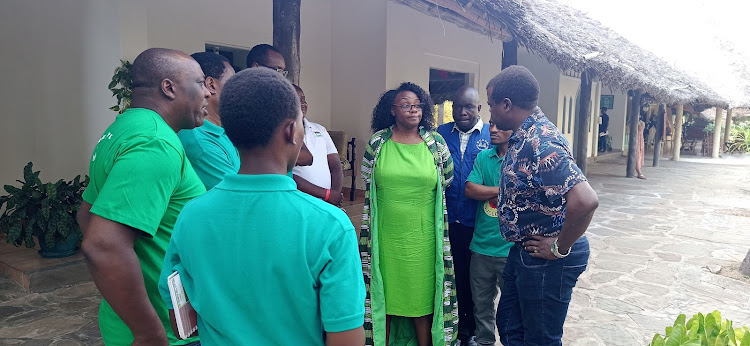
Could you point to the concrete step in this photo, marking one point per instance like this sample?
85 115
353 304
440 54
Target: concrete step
37 274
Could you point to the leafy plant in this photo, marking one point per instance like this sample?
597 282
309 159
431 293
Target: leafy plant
708 330
46 211
741 141
124 92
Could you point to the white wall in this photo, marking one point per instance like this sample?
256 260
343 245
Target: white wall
416 43
548 76
358 66
58 58
187 25
617 117
569 88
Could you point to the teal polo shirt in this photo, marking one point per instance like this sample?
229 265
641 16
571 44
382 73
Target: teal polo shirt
265 264
487 237
210 152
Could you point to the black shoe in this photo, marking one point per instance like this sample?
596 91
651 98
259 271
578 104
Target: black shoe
467 342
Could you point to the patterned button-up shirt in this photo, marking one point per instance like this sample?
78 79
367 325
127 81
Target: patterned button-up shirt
538 170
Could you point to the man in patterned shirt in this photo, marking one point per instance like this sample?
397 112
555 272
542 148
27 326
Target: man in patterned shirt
546 204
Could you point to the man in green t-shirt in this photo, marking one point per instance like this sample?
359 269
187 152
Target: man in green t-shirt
140 180
261 262
489 251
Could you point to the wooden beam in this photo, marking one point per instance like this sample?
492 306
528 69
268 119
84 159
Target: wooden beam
727 128
659 137
470 18
677 133
510 53
286 30
582 120
716 149
635 108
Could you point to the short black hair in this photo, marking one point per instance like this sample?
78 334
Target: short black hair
253 104
517 84
382 117
259 54
212 64
154 65
297 88
603 108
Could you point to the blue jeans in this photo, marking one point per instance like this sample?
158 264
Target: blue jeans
535 296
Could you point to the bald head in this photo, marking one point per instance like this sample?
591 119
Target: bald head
466 108
156 64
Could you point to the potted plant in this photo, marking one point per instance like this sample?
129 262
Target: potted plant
46 211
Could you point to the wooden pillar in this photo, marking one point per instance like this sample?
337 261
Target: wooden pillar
716 149
633 116
510 53
286 29
727 128
677 135
659 137
582 119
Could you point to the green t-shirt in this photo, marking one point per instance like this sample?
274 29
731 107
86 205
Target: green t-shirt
265 264
487 237
210 152
141 178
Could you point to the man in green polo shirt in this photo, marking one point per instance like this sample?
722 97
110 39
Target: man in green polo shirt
261 262
489 251
207 147
140 180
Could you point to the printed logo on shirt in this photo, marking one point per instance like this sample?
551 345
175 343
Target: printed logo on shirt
490 209
483 144
318 134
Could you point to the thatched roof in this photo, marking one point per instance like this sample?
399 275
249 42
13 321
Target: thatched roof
571 40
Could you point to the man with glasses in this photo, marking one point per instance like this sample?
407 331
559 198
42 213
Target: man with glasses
466 136
265 55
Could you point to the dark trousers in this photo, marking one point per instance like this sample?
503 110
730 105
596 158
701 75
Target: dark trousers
535 295
460 237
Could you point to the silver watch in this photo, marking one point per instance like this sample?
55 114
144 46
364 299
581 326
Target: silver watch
556 250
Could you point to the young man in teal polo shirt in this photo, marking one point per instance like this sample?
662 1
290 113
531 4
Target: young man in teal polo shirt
261 262
489 251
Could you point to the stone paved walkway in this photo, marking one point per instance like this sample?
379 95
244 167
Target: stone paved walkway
652 242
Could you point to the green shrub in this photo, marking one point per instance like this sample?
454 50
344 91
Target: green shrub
708 330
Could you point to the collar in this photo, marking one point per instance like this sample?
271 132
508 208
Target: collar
477 127
494 152
212 128
257 182
525 126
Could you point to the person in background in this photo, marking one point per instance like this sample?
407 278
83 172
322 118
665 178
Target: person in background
404 244
262 262
207 147
603 128
489 251
546 205
324 177
466 137
140 181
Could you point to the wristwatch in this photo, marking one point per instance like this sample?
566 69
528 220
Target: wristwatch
556 251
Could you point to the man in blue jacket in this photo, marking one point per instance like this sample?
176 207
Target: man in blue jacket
466 137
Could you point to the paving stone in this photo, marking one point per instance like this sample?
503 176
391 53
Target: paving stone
44 328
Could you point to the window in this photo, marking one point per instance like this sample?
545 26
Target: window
443 85
235 55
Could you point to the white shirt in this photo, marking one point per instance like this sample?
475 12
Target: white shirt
465 136
320 144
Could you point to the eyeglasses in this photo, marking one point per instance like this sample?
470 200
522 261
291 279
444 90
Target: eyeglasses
407 108
277 69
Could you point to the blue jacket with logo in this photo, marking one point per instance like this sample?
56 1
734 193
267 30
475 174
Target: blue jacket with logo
460 208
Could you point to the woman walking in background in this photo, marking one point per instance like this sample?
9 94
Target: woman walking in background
404 243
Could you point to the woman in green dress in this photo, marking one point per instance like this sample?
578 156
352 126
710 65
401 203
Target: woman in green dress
406 259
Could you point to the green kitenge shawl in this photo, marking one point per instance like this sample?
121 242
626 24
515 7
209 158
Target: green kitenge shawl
445 318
